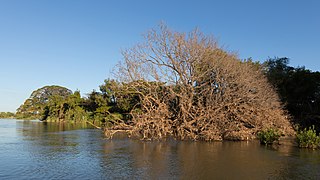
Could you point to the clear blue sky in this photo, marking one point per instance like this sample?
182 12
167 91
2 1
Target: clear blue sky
76 43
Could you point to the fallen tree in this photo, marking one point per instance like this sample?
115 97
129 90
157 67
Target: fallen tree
190 88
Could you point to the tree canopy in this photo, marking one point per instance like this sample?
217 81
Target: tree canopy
33 106
298 88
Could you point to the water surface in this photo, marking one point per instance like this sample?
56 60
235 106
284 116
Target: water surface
37 150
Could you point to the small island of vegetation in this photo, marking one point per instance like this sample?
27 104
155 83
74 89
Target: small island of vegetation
186 86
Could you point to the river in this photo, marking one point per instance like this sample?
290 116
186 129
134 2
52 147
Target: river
38 150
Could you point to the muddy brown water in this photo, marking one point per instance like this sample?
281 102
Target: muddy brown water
37 150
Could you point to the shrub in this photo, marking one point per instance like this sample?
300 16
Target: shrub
268 136
308 138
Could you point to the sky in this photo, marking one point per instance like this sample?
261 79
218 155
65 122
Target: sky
77 43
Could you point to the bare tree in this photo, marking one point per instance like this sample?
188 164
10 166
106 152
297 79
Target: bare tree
190 88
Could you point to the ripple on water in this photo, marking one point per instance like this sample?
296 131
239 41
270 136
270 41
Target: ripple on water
32 150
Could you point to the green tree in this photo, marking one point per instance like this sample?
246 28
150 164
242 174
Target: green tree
121 98
68 109
6 115
298 89
34 106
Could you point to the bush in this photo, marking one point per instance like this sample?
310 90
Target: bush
268 136
308 138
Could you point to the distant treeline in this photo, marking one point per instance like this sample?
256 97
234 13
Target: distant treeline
7 115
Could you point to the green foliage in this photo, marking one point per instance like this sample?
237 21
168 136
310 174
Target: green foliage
122 98
54 103
7 115
113 103
34 106
76 114
65 109
268 136
298 89
308 138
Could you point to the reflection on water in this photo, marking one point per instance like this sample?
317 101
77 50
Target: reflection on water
37 150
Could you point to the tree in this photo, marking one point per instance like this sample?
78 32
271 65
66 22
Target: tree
298 89
68 109
33 107
121 100
7 115
188 87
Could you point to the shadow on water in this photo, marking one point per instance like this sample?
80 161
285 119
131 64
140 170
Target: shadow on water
37 150
203 160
